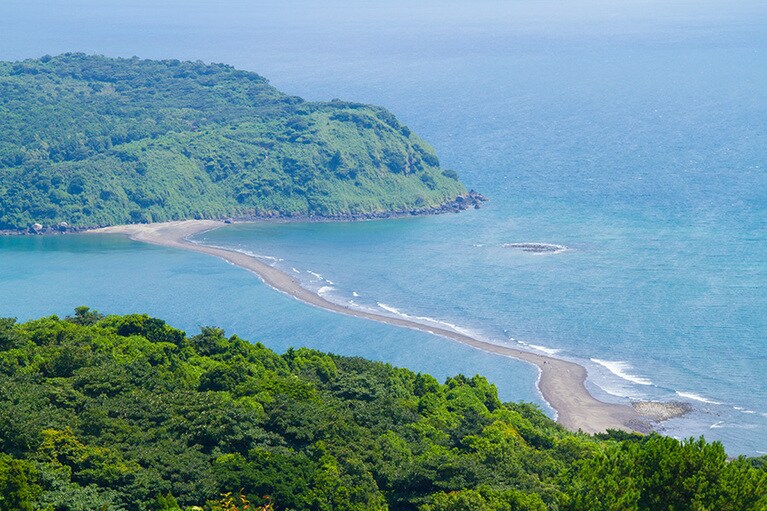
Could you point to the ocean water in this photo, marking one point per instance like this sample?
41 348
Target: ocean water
41 276
635 135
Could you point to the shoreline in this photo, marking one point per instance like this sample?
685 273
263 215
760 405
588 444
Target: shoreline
469 200
562 383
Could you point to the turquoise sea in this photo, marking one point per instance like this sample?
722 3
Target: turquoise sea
635 135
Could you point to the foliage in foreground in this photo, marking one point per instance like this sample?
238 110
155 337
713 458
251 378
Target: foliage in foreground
127 413
90 140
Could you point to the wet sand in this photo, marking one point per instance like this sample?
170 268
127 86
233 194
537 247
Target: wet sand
562 383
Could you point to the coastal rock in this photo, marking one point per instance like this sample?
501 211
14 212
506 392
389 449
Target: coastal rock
536 248
460 203
661 411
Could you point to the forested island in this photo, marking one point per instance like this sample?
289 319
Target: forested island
128 413
89 141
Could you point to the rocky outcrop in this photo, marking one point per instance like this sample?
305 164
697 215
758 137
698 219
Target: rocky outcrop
472 199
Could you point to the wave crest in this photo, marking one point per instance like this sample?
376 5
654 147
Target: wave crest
696 397
426 319
622 369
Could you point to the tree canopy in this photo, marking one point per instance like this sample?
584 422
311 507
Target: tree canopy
128 413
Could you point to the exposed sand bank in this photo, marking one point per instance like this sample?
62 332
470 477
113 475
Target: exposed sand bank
562 383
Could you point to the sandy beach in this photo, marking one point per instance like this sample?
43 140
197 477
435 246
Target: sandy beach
562 383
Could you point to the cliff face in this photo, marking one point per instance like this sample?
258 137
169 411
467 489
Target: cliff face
90 140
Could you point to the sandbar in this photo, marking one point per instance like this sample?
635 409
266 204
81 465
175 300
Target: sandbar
561 382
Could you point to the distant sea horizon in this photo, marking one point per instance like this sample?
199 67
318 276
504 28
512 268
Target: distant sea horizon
633 137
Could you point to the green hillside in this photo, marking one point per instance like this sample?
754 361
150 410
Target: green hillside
94 141
127 413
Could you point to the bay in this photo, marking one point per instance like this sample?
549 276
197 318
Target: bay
42 276
633 134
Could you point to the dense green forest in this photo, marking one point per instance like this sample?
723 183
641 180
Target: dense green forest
127 413
90 140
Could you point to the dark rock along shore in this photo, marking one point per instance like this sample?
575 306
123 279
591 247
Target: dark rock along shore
472 199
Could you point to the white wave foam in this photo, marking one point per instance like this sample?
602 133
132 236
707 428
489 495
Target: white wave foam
355 294
320 277
360 307
325 289
389 308
537 347
544 349
257 255
696 397
508 336
451 326
748 411
620 388
249 253
621 369
745 426
739 408
716 425
295 270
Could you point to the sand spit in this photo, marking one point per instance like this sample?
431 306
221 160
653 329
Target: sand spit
562 383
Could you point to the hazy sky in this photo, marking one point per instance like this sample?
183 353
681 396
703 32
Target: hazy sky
151 28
